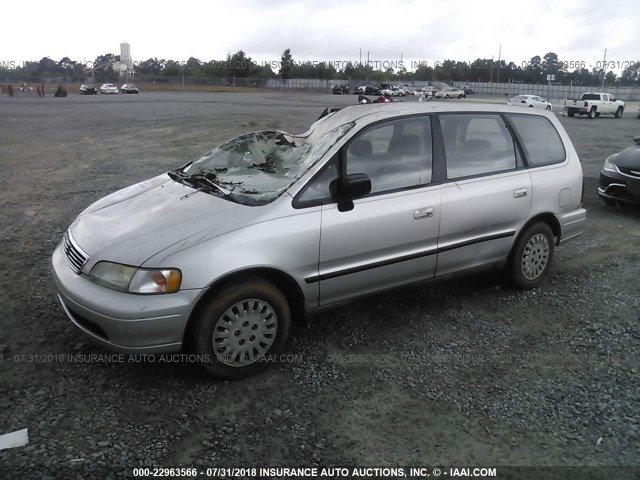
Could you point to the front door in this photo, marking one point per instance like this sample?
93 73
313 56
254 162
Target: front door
390 236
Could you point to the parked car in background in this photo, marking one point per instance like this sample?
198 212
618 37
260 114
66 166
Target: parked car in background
594 104
408 89
340 89
220 256
451 92
467 90
367 90
88 89
108 88
393 91
129 88
427 91
620 176
529 101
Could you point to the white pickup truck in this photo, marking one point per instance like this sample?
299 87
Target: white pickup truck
593 104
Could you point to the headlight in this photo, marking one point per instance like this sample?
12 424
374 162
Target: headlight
112 275
609 167
155 281
129 279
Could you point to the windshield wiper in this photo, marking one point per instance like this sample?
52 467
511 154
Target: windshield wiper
204 178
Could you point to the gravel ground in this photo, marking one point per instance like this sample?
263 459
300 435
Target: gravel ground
462 372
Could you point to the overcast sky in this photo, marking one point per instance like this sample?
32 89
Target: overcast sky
323 30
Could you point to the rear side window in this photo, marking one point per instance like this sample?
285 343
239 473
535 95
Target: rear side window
476 144
591 96
540 139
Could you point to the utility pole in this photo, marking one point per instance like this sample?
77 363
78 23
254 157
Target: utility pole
367 67
604 67
499 56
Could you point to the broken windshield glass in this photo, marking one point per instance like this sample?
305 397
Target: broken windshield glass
262 165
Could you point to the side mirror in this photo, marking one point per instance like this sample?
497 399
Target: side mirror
344 190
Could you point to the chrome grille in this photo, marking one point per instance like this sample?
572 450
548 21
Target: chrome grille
76 258
629 172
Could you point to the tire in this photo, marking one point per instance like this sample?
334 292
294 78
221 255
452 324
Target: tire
592 113
571 113
530 106
459 97
531 257
446 96
548 109
265 315
618 113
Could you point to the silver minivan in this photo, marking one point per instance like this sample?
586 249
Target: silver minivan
219 257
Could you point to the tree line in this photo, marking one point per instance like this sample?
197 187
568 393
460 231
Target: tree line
239 65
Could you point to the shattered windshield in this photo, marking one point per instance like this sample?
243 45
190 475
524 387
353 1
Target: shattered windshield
258 167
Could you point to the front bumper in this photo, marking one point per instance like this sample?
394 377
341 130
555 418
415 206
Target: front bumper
122 322
619 187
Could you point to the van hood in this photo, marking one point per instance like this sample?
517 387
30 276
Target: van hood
134 224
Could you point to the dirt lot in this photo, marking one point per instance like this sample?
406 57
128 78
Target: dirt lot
453 373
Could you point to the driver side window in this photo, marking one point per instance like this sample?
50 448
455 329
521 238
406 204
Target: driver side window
394 155
317 190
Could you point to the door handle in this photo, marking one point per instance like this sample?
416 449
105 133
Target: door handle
520 192
426 212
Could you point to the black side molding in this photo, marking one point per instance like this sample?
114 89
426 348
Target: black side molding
404 258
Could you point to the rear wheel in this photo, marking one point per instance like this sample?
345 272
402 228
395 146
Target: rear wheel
619 112
446 96
571 113
531 256
592 113
530 106
237 329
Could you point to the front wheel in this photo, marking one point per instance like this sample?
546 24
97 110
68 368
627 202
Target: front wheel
619 112
236 331
548 108
446 96
531 257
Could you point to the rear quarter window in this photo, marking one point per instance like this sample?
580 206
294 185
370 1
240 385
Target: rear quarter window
540 140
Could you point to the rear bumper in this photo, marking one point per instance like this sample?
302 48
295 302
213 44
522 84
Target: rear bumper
578 110
571 224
